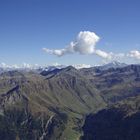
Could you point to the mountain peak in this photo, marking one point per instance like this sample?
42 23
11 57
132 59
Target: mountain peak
113 64
68 68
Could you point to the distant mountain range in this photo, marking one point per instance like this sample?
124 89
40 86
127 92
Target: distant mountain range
113 64
28 67
58 103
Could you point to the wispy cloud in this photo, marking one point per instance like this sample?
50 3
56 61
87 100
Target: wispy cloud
134 54
104 54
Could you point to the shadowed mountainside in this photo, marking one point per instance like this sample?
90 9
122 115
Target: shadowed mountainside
118 122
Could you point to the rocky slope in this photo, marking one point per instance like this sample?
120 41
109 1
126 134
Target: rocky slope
115 84
52 105
37 106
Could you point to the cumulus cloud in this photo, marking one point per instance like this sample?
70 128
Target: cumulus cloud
84 44
134 54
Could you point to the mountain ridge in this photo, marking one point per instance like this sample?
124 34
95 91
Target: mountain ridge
60 99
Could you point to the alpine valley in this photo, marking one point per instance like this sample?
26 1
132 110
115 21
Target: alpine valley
65 103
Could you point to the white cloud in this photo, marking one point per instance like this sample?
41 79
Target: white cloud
56 52
134 54
84 44
80 66
26 65
104 54
15 66
4 65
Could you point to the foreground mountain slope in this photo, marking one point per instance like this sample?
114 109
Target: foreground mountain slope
52 105
39 107
118 122
74 91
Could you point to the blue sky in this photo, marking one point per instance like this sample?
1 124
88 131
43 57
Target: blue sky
28 26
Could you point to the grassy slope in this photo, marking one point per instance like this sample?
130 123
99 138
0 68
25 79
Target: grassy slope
67 92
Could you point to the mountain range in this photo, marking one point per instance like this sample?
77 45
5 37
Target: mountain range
70 104
36 67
